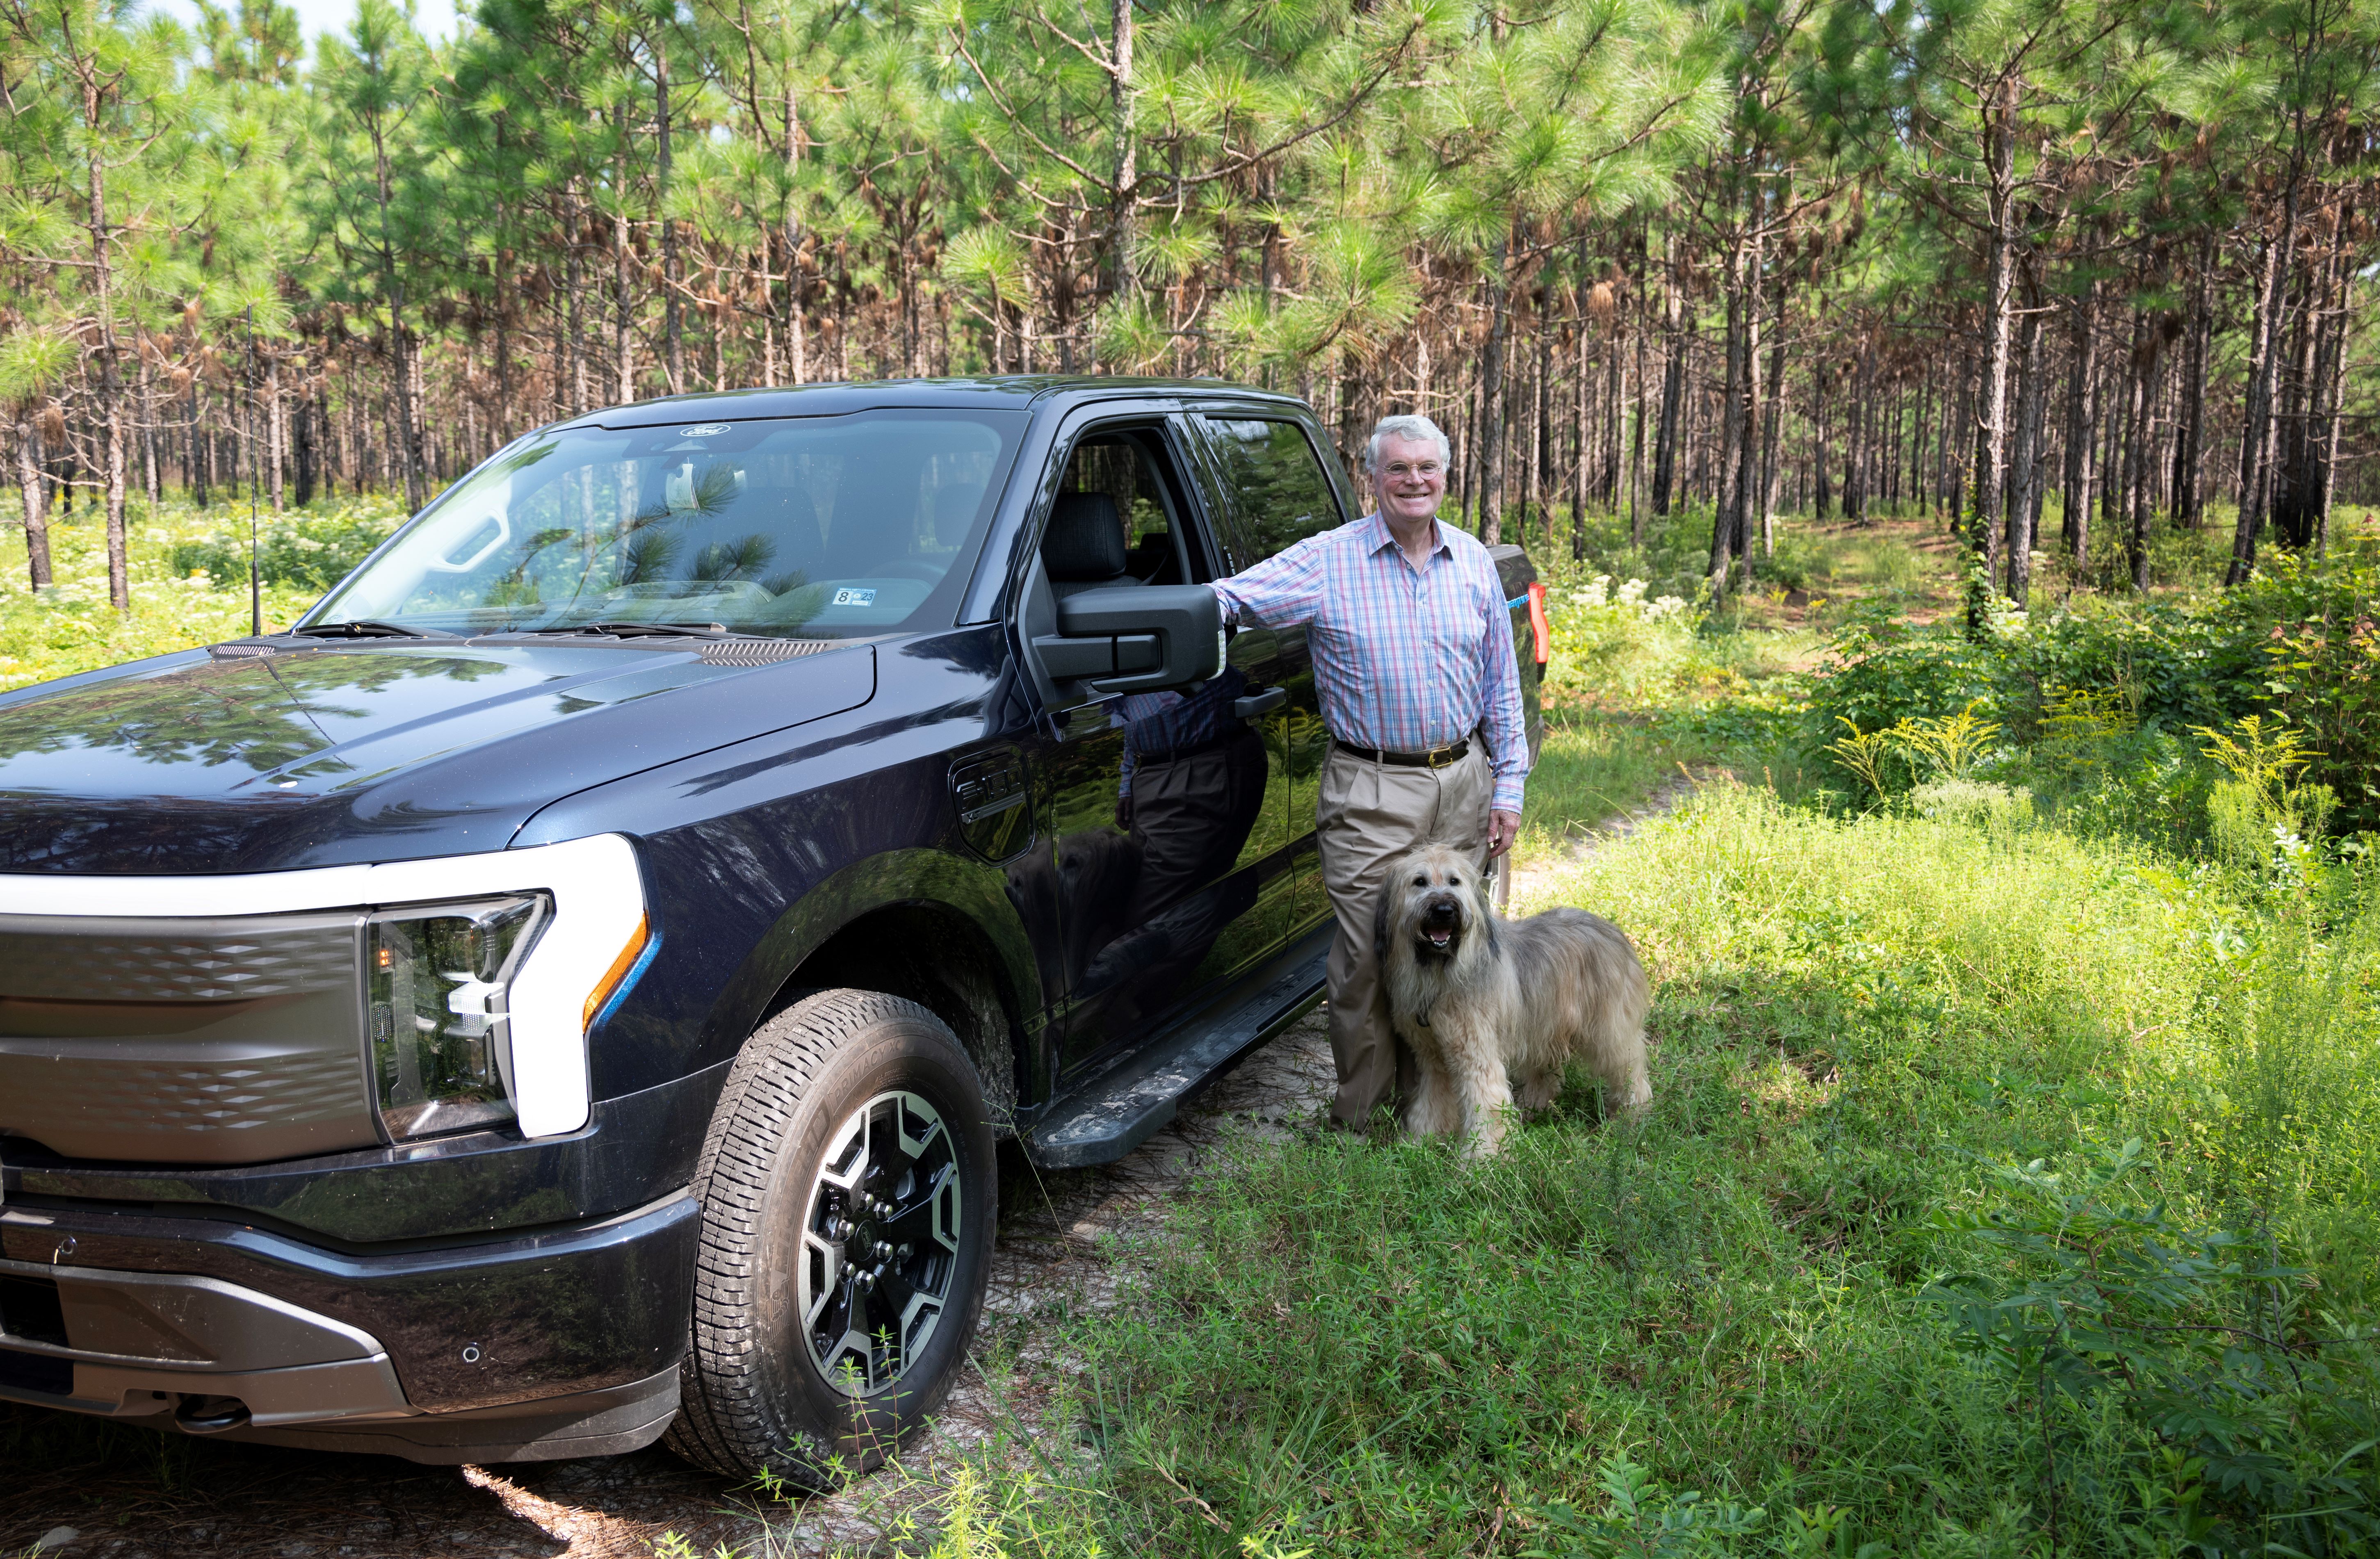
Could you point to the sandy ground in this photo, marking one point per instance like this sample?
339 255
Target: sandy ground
1065 1241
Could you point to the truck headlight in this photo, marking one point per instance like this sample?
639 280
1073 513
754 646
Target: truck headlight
437 978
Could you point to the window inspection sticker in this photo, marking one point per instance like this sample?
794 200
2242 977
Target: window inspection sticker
849 597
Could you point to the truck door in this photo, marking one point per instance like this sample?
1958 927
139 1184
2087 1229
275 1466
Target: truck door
1278 491
1152 801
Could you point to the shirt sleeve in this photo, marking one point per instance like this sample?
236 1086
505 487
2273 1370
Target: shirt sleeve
1500 698
1284 591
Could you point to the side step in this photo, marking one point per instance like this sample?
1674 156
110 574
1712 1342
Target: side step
1125 1106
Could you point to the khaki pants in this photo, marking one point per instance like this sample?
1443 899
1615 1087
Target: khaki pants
1369 815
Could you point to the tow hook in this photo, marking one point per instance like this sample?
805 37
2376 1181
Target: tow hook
209 1415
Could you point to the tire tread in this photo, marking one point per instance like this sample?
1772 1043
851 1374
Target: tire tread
723 1424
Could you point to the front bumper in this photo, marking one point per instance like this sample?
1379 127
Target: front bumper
557 1342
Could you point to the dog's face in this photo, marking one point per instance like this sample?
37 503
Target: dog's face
1438 900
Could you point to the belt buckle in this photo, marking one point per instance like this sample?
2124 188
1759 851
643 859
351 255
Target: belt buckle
1442 757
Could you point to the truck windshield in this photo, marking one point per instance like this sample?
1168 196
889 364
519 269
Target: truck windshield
815 527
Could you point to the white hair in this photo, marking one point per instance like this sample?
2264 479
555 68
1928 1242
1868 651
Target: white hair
1412 429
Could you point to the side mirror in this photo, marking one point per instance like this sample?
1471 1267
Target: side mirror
1140 639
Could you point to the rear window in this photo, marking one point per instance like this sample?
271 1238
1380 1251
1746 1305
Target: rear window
1276 483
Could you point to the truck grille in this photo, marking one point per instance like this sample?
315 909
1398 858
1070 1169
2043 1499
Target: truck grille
183 1041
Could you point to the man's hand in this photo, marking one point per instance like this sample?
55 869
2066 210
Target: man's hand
1503 828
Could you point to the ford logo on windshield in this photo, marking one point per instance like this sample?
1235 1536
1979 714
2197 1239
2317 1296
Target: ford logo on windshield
708 431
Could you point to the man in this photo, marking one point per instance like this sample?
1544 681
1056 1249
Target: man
1412 656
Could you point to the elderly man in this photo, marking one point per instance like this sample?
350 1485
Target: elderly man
1413 658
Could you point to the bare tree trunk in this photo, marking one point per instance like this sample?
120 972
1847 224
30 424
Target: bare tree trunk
1727 514
1991 424
276 429
2024 466
1822 498
2190 434
623 349
149 435
2137 467
36 507
673 307
2255 437
1491 399
2336 399
1637 426
2082 429
1773 428
1855 469
1677 331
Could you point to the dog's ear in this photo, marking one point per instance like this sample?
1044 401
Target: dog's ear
1381 921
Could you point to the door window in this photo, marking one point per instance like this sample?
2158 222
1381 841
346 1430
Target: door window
1276 483
1125 466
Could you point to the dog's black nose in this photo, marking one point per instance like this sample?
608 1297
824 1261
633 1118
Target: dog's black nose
1441 910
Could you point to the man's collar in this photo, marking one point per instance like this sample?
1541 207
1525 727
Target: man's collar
1381 536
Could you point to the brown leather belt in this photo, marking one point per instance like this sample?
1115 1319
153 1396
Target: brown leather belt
1436 758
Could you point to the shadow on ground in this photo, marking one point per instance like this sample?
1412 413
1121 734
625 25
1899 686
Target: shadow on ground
77 1487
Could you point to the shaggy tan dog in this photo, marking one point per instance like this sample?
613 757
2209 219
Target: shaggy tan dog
1485 1002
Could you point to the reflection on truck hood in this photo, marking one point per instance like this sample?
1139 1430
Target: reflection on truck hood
331 755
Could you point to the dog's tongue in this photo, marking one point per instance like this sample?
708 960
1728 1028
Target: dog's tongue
1438 938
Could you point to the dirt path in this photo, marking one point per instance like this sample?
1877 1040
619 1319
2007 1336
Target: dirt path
1532 879
140 1496
1065 1243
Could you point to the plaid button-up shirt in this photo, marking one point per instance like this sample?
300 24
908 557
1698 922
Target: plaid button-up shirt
1406 659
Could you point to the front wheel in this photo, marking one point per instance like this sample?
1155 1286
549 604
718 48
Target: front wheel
849 1194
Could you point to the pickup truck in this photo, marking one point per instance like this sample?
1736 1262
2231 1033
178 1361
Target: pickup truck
567 990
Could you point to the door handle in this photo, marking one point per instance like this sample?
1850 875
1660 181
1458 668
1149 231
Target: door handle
1254 703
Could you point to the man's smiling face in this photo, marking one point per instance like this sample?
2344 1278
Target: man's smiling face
1410 480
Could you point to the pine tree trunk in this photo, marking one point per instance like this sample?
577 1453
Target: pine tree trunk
1821 476
1491 401
2024 463
2190 435
1727 514
2139 398
1991 425
2081 431
1677 331
37 508
622 293
2255 441
1636 421
2335 402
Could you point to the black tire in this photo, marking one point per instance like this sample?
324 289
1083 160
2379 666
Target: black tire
780 1232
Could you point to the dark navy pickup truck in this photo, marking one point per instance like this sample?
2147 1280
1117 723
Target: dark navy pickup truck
566 990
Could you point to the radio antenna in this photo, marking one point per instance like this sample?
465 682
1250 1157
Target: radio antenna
255 584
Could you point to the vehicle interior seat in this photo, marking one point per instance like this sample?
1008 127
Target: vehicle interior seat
1083 549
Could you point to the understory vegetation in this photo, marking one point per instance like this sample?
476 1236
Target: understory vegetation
2012 1184
191 566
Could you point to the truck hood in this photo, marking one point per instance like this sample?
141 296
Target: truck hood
232 760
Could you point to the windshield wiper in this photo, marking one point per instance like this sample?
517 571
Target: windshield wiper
365 628
634 629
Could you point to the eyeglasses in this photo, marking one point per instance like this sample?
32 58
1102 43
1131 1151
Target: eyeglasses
1418 468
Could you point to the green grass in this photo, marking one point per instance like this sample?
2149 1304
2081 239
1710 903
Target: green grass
1590 768
1369 1346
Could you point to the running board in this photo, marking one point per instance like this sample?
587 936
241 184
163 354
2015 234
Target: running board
1123 1107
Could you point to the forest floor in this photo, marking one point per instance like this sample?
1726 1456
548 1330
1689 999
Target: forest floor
1901 1051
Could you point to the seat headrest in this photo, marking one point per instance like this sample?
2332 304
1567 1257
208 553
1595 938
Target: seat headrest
1085 542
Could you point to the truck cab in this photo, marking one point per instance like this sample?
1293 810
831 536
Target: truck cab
566 989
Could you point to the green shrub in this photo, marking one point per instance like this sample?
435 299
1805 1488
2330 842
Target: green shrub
304 552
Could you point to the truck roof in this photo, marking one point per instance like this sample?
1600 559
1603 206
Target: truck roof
1018 390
